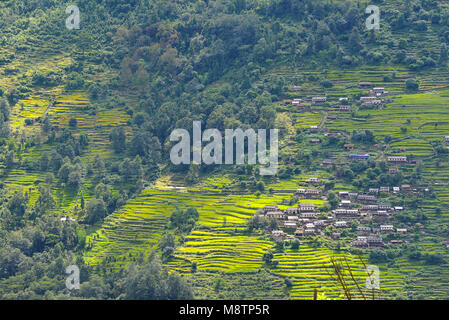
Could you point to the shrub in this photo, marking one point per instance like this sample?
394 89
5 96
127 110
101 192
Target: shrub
73 122
412 85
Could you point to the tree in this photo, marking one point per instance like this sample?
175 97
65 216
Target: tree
99 165
73 122
131 170
377 256
184 220
44 161
84 41
310 49
4 109
151 282
148 146
333 200
167 245
94 288
45 200
443 53
55 161
96 211
267 257
64 172
10 260
167 240
10 159
412 85
141 79
295 244
354 41
74 178
433 258
118 139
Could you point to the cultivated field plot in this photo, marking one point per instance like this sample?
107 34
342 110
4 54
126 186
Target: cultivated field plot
258 285
222 251
289 186
28 109
77 106
430 283
306 119
345 82
420 109
139 225
27 181
309 268
73 106
97 124
417 147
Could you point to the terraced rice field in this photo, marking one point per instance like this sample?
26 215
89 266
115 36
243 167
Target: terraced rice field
97 124
28 181
417 147
76 105
345 82
222 251
290 185
250 285
429 282
72 106
219 246
28 109
423 108
24 181
306 119
140 223
309 268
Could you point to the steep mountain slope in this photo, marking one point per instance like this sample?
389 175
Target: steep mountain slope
86 119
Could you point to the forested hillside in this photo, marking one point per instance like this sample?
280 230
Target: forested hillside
85 123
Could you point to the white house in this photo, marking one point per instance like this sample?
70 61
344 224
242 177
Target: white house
341 224
306 207
397 159
345 203
276 214
386 228
290 224
319 100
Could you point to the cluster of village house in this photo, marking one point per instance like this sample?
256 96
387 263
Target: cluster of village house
392 159
373 99
306 220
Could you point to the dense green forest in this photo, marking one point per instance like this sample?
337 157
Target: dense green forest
86 116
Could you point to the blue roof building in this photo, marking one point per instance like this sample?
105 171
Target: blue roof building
359 156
